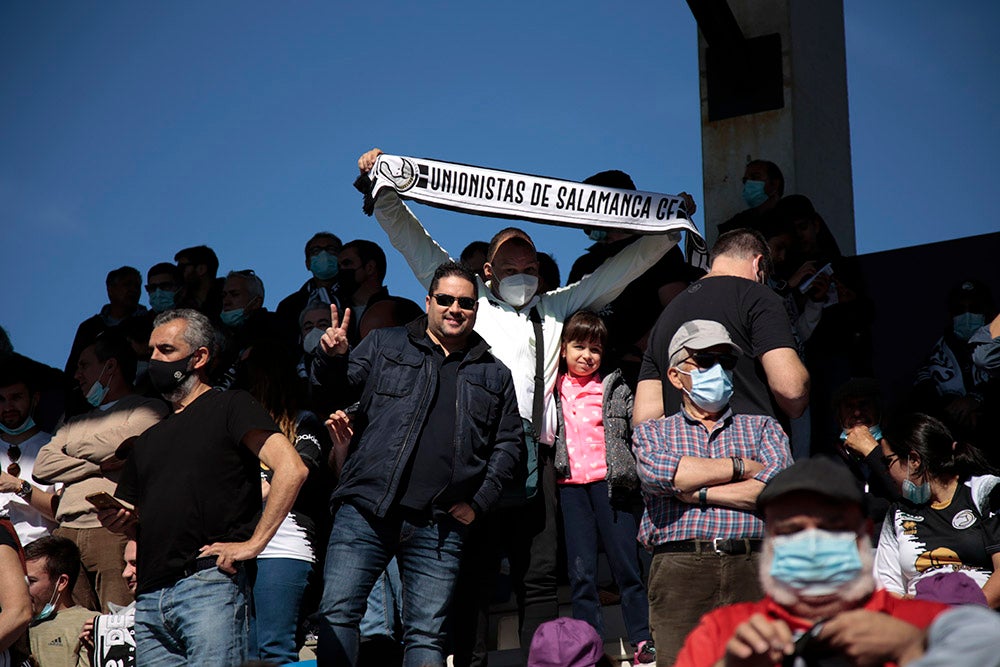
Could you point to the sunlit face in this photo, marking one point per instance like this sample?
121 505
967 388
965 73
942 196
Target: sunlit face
15 404
129 573
511 259
451 322
583 358
41 587
167 341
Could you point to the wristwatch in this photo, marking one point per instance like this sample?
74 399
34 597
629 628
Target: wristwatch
25 491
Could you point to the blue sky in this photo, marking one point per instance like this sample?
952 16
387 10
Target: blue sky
131 130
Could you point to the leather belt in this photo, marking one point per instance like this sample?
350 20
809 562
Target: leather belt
200 564
722 547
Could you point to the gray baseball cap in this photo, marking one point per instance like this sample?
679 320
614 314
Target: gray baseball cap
700 335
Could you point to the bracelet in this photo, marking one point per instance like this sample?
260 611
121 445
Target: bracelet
703 497
739 469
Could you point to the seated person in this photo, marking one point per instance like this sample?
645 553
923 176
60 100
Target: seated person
858 409
820 593
949 385
53 564
945 521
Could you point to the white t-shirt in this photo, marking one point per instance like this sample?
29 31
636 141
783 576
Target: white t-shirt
28 522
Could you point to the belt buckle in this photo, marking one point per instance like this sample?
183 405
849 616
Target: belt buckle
715 546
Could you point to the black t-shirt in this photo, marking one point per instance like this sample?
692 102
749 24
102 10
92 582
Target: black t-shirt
194 482
429 470
756 320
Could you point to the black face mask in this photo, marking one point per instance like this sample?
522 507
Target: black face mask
347 283
166 376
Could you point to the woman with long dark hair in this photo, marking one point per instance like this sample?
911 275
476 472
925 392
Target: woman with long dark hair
944 522
287 562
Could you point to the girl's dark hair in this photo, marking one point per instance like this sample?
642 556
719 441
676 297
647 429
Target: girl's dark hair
585 325
940 454
269 374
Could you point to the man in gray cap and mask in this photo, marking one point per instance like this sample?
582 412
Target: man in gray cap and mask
701 470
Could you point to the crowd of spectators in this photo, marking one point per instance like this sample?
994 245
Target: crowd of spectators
212 482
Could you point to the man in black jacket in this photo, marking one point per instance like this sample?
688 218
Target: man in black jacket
436 435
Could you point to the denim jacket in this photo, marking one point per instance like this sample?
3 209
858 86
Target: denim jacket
393 375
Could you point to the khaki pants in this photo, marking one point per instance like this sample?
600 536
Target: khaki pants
102 559
685 586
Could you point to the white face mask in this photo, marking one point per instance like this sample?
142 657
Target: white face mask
518 289
311 340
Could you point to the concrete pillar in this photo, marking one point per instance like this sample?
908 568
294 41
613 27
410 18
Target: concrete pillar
808 136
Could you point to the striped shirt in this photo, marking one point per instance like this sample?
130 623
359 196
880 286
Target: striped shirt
659 445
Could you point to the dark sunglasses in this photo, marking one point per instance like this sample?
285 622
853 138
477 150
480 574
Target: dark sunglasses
705 360
464 302
887 461
14 454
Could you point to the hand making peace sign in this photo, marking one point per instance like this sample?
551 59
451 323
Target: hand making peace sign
334 340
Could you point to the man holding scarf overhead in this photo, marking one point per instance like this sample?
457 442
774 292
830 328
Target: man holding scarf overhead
523 328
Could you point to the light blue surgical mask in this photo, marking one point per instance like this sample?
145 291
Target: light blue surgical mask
753 193
918 494
597 235
711 388
98 392
324 265
28 424
966 324
48 610
161 300
875 430
815 561
233 318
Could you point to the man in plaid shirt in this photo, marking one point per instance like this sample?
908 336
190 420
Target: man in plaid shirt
701 471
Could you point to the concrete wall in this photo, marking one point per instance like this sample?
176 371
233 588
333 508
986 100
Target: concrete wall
809 138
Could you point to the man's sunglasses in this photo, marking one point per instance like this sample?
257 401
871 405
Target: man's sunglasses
705 360
464 302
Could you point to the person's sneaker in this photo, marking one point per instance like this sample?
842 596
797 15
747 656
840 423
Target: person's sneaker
645 653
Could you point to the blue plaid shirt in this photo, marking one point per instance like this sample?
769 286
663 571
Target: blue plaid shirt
659 445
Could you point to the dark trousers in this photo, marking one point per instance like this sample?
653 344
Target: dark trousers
685 586
528 536
590 520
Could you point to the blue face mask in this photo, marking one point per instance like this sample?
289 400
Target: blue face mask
161 300
916 494
98 391
48 610
711 388
875 430
597 235
28 424
816 562
966 324
324 265
753 193
233 318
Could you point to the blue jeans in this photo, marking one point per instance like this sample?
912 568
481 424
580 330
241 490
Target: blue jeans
382 607
277 597
361 546
203 619
587 516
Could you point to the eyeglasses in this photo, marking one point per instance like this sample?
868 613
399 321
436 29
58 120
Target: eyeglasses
708 359
888 460
14 454
464 302
169 286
